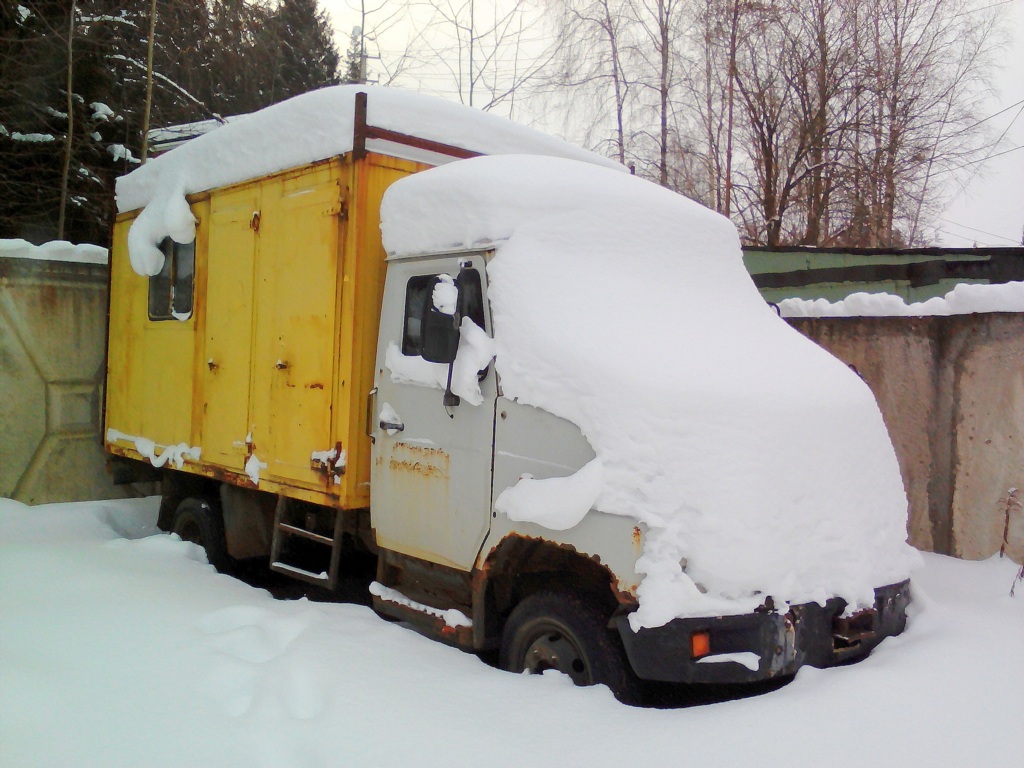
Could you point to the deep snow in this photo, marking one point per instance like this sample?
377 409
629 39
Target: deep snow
747 451
119 647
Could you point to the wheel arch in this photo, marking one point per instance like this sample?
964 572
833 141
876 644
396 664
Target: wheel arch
520 566
175 487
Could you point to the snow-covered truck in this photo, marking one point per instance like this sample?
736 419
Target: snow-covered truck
540 395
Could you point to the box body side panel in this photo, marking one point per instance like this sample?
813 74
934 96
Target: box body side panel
276 361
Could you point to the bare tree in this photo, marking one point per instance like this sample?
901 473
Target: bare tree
659 22
589 68
481 53
845 112
924 65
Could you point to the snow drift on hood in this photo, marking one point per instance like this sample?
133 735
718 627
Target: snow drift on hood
750 453
304 129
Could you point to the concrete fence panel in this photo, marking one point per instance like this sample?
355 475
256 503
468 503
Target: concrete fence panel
951 390
52 340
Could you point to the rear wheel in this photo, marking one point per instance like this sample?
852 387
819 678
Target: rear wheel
564 632
199 521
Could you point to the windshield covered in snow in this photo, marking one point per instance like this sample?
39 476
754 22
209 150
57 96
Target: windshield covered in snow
750 453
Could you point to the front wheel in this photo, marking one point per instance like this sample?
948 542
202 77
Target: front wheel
198 521
562 631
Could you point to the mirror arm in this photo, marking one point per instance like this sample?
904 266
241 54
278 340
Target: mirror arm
450 398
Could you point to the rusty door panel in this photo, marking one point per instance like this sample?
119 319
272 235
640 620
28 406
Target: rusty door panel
295 311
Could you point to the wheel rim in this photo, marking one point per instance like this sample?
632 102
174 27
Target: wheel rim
550 646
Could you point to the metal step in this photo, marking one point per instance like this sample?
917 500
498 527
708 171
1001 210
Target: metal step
298 573
294 530
284 530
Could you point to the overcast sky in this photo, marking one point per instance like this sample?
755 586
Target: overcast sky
990 210
988 207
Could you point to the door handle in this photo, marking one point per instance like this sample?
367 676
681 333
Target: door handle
390 425
369 412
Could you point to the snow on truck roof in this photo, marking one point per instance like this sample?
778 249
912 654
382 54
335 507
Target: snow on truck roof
301 130
320 124
759 462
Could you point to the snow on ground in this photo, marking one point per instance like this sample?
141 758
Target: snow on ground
122 647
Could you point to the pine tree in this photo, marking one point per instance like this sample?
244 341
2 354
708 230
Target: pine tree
306 55
213 58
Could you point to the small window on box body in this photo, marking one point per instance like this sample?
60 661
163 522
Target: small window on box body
471 306
170 291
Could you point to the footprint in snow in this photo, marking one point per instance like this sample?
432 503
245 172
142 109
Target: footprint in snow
252 634
256 641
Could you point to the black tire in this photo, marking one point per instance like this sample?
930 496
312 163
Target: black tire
199 521
564 631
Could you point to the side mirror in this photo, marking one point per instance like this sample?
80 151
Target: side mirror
439 330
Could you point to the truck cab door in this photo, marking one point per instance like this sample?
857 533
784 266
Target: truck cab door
431 469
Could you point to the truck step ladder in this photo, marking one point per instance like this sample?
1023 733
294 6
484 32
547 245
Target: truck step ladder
286 526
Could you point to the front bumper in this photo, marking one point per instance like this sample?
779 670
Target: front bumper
777 644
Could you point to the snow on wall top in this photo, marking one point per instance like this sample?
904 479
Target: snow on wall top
56 250
964 299
750 452
319 125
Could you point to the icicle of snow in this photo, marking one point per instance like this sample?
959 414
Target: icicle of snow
167 216
558 503
253 467
146 448
476 350
445 295
388 415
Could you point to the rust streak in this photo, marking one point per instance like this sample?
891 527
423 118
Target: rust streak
417 467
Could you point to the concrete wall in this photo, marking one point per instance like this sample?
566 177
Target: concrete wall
951 390
52 339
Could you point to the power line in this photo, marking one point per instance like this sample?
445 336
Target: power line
976 243
997 114
983 8
989 156
975 229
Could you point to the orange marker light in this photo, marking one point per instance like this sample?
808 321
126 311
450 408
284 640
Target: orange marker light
700 644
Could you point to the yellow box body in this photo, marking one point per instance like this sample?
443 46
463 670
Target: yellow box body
276 360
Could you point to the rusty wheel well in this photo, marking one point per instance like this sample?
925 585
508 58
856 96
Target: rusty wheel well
519 567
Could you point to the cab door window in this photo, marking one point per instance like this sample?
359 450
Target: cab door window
471 305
